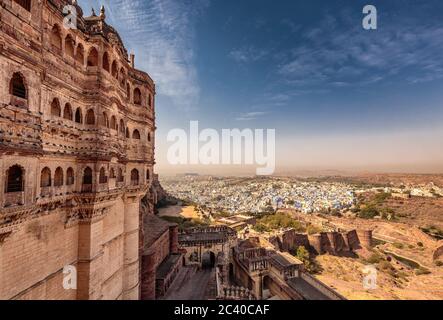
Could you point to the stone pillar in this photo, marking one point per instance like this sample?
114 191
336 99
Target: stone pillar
132 60
148 276
257 286
131 249
90 260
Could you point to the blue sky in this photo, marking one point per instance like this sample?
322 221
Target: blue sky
338 96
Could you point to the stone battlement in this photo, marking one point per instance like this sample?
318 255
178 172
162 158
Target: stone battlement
333 243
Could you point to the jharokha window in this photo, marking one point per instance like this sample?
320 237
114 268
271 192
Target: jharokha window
45 179
134 177
55 108
69 46
112 174
105 62
14 180
70 177
90 117
93 58
56 38
17 86
103 178
26 4
87 176
120 177
78 116
136 135
80 54
113 123
137 96
58 177
67 112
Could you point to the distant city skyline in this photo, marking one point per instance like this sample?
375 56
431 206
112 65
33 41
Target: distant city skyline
340 97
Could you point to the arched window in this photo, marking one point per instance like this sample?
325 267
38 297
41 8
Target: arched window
122 77
127 133
93 57
120 177
15 179
114 71
87 176
45 178
78 116
134 177
137 96
136 135
122 126
128 91
70 177
149 136
112 174
80 55
105 121
67 112
105 61
56 38
58 177
149 100
103 178
17 86
26 4
69 46
55 108
148 174
90 117
113 124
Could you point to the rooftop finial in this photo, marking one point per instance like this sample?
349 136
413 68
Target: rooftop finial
93 13
102 11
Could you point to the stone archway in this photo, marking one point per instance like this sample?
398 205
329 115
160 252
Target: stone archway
208 260
231 273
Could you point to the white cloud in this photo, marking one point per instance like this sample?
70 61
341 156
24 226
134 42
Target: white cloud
250 116
248 54
353 56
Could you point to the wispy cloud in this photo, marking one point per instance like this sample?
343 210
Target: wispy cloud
352 56
248 54
250 116
161 33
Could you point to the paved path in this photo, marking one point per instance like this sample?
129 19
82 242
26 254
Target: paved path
193 288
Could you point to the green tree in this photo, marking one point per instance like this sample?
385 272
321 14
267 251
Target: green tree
302 254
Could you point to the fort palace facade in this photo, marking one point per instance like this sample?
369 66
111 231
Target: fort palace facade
77 132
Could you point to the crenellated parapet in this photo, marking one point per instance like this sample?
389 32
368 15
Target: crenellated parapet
331 242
